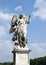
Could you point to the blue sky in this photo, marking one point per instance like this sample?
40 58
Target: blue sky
36 29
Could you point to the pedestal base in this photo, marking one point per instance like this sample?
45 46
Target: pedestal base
21 56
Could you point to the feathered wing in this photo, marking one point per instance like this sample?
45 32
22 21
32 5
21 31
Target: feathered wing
13 21
11 30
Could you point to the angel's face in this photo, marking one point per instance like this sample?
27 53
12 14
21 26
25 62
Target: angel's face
20 16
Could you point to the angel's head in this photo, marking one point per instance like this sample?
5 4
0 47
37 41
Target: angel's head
22 16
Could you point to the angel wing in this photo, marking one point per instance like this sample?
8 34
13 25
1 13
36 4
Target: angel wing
13 24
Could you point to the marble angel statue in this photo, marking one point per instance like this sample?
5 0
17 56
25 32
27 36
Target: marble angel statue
19 28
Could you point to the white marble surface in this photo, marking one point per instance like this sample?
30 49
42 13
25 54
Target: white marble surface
21 48
21 55
22 59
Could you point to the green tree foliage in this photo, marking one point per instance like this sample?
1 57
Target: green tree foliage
38 61
6 63
1 63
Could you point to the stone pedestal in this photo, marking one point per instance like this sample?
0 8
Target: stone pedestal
21 56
